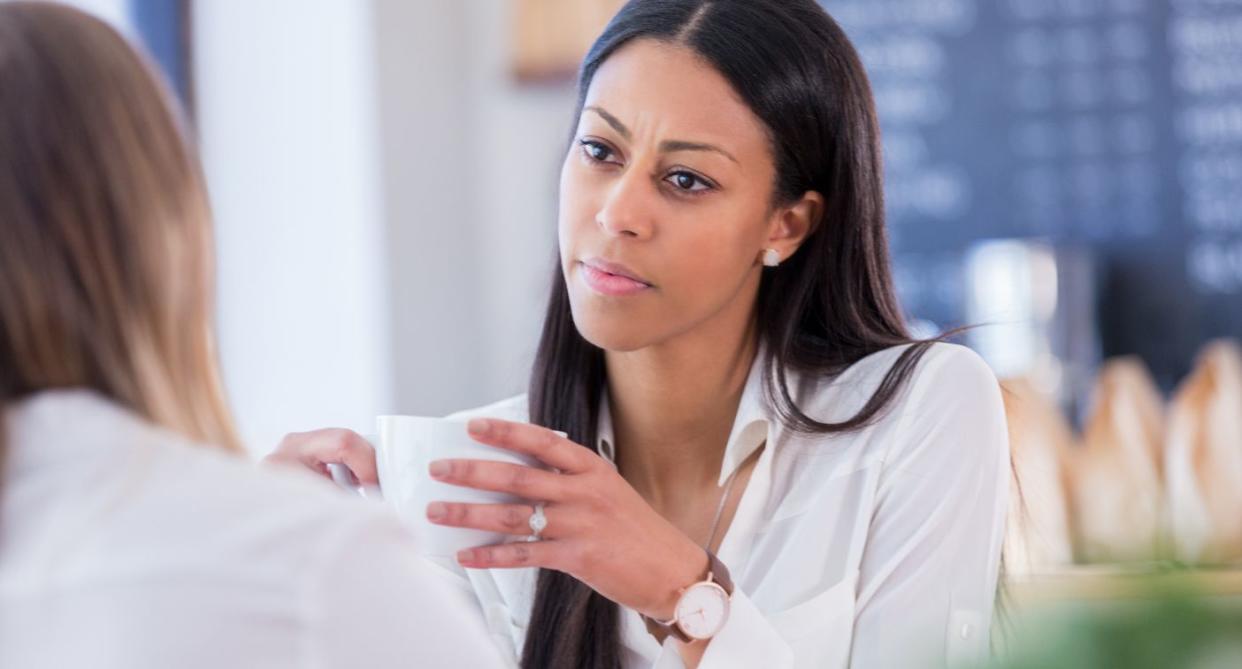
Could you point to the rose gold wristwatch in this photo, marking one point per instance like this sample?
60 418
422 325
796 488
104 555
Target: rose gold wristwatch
702 608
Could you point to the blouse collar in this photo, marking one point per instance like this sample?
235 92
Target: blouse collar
752 426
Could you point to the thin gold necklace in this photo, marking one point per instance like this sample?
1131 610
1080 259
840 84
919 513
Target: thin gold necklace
724 497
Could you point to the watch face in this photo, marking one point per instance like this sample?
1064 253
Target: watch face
702 610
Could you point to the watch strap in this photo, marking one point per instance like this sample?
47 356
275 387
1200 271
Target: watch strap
720 574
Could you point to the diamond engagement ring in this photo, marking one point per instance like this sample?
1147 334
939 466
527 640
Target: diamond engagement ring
538 522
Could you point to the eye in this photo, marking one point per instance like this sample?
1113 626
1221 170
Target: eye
596 151
688 182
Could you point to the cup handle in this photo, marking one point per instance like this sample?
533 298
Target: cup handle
345 479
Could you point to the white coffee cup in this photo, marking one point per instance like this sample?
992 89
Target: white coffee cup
405 448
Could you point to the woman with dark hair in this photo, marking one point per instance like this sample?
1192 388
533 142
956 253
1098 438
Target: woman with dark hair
762 467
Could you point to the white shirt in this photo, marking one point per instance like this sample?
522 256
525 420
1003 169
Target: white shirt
872 550
123 546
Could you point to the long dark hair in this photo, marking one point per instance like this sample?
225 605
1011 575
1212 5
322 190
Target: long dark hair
826 307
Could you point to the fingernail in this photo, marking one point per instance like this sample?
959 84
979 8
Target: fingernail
479 426
436 511
439 469
465 556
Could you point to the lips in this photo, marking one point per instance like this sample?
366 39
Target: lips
612 279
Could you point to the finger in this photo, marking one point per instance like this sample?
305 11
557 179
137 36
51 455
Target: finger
526 482
549 554
318 448
504 518
541 443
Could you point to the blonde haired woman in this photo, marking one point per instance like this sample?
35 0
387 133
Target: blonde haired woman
131 534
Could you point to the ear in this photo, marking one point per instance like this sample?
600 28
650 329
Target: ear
791 224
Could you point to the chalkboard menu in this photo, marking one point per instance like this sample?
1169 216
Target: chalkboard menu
1108 125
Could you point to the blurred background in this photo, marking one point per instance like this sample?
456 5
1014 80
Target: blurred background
1064 174
384 188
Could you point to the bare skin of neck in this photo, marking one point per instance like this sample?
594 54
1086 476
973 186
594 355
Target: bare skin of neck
673 407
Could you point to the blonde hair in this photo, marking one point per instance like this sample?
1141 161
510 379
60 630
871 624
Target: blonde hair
106 263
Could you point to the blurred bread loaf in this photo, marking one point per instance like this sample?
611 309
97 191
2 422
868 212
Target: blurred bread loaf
1037 536
1116 482
1204 458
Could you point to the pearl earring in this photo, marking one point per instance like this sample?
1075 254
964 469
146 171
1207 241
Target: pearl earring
771 258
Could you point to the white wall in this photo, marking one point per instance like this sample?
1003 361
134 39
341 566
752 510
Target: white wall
519 134
470 162
287 121
428 190
385 198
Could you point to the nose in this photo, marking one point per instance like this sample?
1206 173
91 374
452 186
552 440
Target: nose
627 210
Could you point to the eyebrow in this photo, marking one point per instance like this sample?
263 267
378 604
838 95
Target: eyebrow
667 146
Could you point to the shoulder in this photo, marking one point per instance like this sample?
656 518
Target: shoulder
140 507
948 395
945 420
341 566
512 409
952 409
953 378
942 372
225 514
939 362
949 371
266 520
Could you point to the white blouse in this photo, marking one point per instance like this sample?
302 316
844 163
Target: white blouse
875 549
122 546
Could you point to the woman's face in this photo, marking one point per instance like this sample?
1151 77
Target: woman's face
666 201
